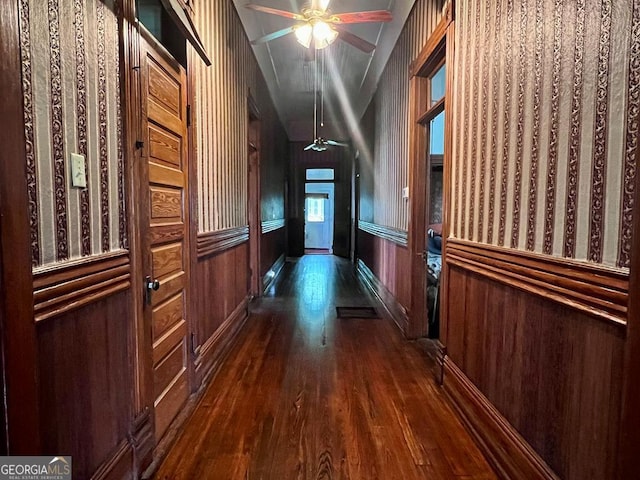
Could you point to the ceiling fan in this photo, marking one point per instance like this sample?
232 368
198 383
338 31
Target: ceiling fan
317 27
320 144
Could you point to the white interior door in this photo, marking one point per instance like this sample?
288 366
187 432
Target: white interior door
319 213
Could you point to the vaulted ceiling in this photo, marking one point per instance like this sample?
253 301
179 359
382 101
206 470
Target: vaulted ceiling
350 75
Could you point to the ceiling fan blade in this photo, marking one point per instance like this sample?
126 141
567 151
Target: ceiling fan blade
309 147
363 17
333 143
272 36
356 41
273 11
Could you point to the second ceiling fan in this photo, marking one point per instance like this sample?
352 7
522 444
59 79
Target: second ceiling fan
317 27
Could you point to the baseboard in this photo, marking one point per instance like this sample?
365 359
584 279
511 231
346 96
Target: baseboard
119 466
272 274
142 441
215 348
393 308
508 453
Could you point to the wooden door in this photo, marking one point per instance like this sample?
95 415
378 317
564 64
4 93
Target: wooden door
164 230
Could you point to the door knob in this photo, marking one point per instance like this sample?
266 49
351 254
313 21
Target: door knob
151 285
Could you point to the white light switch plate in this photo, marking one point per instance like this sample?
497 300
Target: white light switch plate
78 171
405 192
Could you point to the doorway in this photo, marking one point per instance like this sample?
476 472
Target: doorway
319 211
430 140
164 227
434 130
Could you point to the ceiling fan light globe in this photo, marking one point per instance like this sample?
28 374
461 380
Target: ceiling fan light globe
323 34
304 34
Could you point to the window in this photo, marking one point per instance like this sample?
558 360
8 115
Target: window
437 83
320 174
315 209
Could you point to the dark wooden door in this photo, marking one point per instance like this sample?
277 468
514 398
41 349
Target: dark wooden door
165 225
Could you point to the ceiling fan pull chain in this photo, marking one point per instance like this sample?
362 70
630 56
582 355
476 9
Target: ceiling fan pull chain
315 94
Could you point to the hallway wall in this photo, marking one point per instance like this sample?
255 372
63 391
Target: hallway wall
544 145
383 165
221 271
545 111
80 284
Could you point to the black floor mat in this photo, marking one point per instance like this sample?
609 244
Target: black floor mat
357 312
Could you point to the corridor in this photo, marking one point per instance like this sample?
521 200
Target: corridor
306 395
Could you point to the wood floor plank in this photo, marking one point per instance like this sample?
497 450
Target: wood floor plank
305 395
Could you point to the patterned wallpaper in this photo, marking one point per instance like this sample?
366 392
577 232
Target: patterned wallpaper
546 112
70 70
221 117
391 150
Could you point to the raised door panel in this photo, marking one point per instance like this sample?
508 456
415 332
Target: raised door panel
167 233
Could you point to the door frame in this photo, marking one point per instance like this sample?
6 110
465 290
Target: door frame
254 213
438 49
629 438
18 329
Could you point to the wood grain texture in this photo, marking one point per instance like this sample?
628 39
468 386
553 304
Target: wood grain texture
394 310
554 373
223 286
221 240
509 454
18 330
272 247
61 288
85 382
587 287
321 414
166 192
389 262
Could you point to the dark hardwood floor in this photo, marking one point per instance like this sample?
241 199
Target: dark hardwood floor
304 395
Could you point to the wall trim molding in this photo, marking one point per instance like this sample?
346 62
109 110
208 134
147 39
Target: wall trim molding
272 225
507 452
276 268
392 234
64 287
394 309
216 242
118 465
600 291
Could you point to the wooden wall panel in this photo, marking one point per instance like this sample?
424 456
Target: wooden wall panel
272 248
85 382
546 115
553 373
223 289
71 99
389 262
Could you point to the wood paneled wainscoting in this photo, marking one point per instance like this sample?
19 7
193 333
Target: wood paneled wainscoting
84 329
221 295
272 248
534 359
383 261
